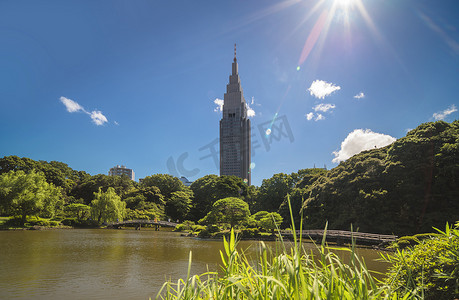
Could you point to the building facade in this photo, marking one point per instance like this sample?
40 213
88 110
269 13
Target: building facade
185 181
121 170
235 147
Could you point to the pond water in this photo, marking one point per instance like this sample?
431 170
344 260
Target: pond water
108 264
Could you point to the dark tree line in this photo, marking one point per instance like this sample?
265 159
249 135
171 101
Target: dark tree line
404 188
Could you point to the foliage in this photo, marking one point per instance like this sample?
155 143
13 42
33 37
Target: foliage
432 266
74 222
405 188
57 173
107 206
272 195
179 204
210 188
229 210
260 215
166 183
78 210
142 214
249 233
270 221
85 190
273 191
185 226
147 201
28 194
17 221
287 275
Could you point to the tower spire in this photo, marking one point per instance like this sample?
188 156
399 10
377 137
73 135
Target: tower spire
234 52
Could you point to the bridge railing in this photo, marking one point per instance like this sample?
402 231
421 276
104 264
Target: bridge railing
343 234
143 221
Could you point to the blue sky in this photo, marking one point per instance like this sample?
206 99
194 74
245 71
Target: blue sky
95 84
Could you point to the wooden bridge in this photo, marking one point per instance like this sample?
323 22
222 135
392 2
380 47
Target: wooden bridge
138 224
340 236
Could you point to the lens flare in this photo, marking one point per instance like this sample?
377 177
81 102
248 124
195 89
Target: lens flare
313 37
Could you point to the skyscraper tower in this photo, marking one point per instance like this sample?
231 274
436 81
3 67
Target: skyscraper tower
235 148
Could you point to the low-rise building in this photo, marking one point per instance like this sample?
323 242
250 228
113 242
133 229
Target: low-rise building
121 170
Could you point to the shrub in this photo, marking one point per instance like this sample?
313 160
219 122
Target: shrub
204 233
54 223
250 233
198 228
80 223
40 222
431 266
212 228
16 221
185 226
69 221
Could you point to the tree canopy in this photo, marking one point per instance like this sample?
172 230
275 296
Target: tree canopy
210 188
107 206
28 194
404 188
229 210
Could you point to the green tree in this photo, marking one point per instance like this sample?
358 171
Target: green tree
78 210
90 185
229 210
166 183
405 188
270 221
28 194
107 206
179 205
272 191
210 188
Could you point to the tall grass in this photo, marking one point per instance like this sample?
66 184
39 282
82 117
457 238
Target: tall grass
290 274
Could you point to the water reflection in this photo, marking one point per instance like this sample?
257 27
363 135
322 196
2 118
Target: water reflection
95 264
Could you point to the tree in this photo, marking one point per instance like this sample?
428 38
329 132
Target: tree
27 194
107 206
90 185
404 188
179 205
78 210
272 191
166 183
229 210
210 188
270 221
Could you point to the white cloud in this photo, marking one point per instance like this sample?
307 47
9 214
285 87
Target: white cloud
359 95
320 117
324 107
219 103
443 114
250 111
360 140
98 118
71 105
311 116
320 89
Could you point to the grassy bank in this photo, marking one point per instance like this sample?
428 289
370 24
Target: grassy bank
426 270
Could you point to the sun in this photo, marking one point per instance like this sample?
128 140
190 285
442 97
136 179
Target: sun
344 4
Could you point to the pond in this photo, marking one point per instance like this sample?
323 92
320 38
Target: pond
104 263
